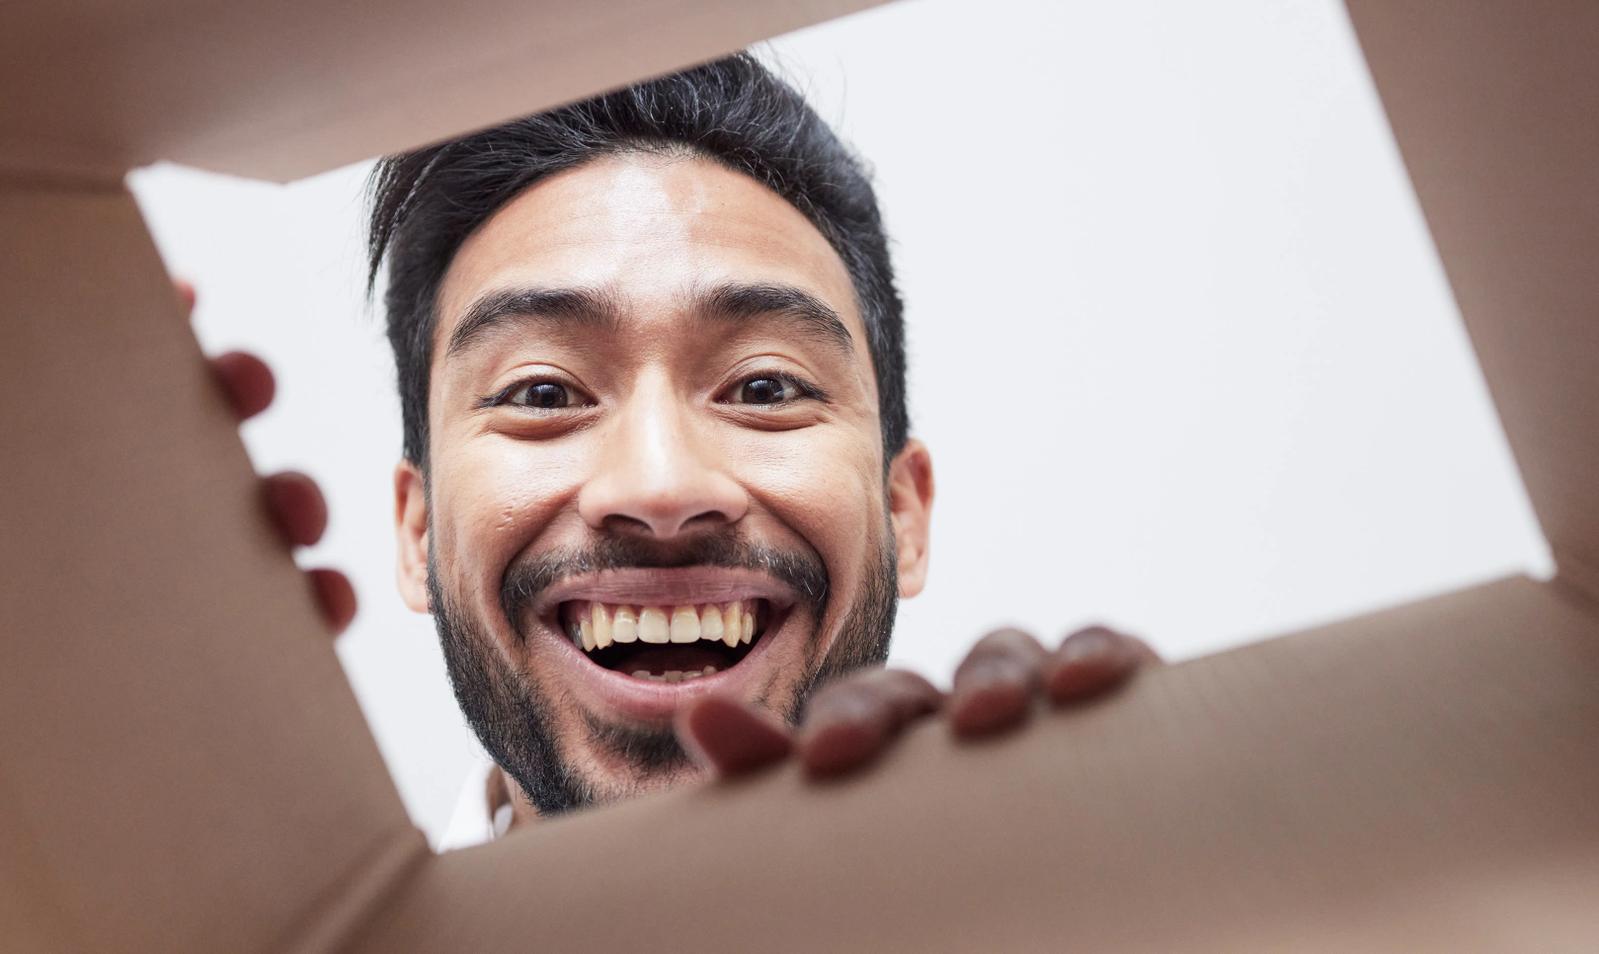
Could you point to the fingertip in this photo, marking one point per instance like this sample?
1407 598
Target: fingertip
186 294
297 506
708 711
685 724
729 737
246 380
993 689
996 705
335 597
1091 642
1142 652
1089 662
838 746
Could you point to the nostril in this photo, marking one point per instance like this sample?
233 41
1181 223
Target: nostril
709 520
624 525
664 526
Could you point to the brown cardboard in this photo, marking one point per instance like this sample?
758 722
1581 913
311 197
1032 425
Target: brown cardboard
285 89
182 767
1494 106
1420 779
171 706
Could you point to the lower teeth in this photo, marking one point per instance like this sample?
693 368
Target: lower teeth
673 675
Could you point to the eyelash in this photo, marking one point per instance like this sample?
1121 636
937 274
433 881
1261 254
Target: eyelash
804 389
503 396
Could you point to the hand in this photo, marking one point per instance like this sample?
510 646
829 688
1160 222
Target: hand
850 722
293 500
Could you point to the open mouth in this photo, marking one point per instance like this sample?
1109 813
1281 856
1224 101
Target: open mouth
668 643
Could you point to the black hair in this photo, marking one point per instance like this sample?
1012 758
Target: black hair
733 111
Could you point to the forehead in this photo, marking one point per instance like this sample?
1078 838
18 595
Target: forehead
647 228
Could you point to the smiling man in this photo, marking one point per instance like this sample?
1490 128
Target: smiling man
651 363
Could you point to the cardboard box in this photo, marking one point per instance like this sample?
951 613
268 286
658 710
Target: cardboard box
183 768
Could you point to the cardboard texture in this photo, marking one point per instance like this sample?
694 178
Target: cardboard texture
282 90
172 709
183 768
1421 779
1496 110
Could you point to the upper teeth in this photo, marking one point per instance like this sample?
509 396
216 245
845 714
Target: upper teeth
601 624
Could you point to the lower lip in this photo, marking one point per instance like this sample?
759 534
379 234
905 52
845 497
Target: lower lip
645 700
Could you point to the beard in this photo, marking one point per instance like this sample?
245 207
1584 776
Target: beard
515 722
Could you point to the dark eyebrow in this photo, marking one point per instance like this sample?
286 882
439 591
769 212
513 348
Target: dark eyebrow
741 302
584 306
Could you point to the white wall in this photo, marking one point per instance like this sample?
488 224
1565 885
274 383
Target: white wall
1180 343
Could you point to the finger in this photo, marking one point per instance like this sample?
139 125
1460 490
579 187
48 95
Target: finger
729 737
246 380
335 597
186 295
1145 652
849 723
1091 661
995 685
297 506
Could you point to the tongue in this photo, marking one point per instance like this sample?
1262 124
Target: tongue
659 659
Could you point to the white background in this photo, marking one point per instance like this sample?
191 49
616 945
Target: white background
1180 344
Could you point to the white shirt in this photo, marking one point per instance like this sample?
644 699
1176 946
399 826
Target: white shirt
470 823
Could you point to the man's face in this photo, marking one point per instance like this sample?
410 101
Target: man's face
656 471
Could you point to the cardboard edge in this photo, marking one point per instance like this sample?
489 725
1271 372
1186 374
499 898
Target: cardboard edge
1430 813
1578 577
695 33
210 846
1491 107
367 890
25 169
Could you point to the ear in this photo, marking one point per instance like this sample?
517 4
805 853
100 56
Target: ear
411 533
910 506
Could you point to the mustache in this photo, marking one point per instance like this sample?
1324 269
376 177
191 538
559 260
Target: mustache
526 579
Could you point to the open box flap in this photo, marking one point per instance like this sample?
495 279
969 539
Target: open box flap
280 90
1496 110
1418 779
183 766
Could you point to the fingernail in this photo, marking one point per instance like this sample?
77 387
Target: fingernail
1088 644
849 708
988 673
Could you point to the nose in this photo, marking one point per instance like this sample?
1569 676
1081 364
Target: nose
659 474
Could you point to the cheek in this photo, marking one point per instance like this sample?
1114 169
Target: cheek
826 485
492 497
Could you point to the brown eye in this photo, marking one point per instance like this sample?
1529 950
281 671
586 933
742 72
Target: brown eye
767 390
542 395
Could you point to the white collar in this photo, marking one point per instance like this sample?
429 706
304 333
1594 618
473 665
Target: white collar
470 823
